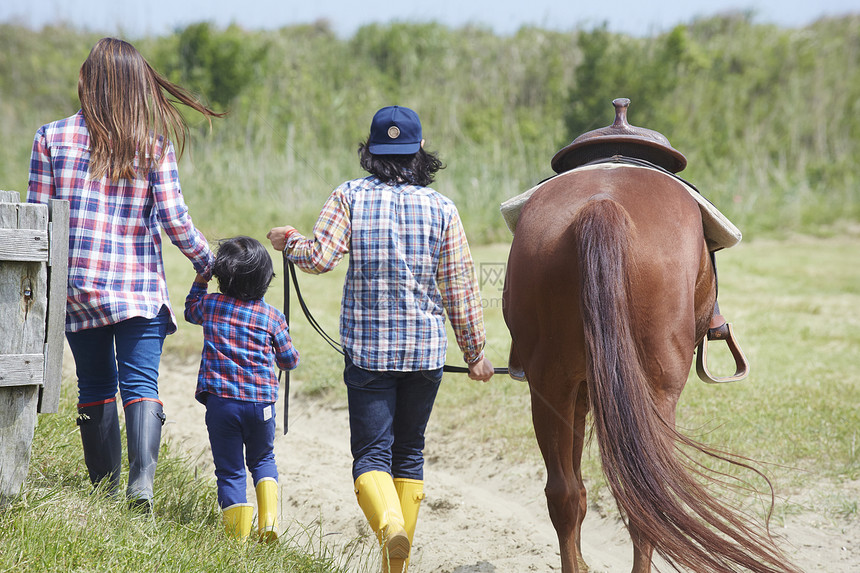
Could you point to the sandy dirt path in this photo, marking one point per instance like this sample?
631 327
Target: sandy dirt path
481 514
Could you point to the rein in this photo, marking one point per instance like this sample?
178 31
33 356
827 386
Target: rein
290 268
286 373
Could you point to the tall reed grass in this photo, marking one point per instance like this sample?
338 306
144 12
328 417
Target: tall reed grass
767 117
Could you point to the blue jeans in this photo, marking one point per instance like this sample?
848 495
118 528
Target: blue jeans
125 355
388 413
234 425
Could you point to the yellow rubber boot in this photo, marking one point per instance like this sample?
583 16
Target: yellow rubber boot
411 494
267 509
237 520
378 499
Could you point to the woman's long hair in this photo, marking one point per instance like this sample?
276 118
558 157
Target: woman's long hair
417 169
127 112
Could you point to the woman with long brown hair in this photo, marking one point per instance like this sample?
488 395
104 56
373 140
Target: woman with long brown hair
114 161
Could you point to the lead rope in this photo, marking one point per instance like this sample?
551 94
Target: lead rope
290 273
286 373
306 311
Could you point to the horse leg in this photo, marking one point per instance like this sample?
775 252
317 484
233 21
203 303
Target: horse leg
642 551
558 414
580 413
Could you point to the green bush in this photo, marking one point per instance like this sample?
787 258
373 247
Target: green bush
767 117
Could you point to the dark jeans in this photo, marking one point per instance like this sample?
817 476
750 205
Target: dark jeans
125 355
235 425
388 413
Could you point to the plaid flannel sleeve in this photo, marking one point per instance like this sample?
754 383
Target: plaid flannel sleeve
40 188
193 304
459 288
331 239
286 355
173 214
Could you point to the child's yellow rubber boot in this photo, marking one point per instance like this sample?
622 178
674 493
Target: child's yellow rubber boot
267 509
411 494
237 520
378 499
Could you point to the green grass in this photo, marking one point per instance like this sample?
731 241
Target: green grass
59 524
794 308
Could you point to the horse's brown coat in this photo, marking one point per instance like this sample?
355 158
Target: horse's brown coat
609 287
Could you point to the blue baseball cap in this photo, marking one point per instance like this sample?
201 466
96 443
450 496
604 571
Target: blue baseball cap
395 130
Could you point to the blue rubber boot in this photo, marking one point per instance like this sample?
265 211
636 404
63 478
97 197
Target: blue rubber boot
99 424
143 421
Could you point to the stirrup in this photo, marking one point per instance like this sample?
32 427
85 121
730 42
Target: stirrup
742 366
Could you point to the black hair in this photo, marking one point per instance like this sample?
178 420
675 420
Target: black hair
243 268
417 169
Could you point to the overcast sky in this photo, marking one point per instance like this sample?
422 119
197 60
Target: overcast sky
639 17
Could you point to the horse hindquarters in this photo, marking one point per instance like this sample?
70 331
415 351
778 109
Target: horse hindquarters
665 507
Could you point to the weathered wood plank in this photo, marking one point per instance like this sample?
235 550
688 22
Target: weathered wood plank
21 369
58 279
24 244
17 403
10 197
23 304
25 286
8 215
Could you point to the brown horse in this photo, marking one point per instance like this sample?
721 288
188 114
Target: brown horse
609 288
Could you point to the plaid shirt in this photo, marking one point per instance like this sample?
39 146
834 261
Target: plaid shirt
409 263
115 266
242 342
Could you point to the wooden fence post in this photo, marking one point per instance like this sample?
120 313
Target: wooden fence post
33 277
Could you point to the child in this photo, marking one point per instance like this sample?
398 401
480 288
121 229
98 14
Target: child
243 337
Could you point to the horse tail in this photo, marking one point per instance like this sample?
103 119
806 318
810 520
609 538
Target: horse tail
657 493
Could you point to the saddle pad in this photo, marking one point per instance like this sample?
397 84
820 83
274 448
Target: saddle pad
720 233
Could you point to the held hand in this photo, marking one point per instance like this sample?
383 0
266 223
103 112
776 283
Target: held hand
481 370
278 237
201 279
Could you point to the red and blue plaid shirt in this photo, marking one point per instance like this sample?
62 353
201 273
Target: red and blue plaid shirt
409 264
242 343
115 266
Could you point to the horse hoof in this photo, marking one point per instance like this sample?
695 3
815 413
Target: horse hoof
581 565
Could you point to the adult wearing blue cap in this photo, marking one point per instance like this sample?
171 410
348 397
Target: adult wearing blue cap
409 266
